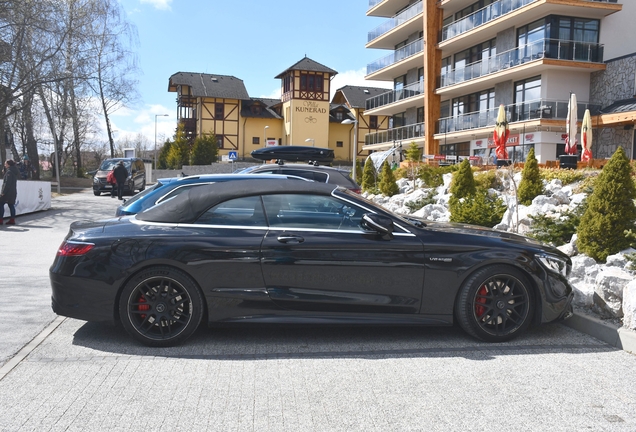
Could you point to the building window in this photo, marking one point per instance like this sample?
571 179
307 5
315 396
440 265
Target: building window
339 144
256 140
373 122
339 115
218 111
219 141
526 91
311 82
398 120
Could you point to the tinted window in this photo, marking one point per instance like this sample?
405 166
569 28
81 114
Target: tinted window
311 212
176 191
240 211
311 175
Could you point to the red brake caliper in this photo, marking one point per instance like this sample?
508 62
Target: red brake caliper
143 307
480 310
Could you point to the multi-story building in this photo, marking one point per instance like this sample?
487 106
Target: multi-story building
220 105
454 62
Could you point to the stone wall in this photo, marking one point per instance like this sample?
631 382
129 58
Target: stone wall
616 83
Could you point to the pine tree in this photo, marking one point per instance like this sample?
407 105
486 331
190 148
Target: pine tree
531 184
204 150
162 161
463 182
358 178
368 176
179 153
610 210
388 186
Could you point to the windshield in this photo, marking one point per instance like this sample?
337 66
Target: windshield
143 193
403 218
109 164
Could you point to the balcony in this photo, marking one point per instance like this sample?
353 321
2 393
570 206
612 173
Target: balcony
377 140
531 110
505 14
394 30
546 48
386 8
398 57
482 16
394 97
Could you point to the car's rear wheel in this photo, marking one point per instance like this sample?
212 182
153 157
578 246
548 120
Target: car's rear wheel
495 304
161 306
96 192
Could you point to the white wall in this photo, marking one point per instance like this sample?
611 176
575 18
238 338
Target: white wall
556 84
618 31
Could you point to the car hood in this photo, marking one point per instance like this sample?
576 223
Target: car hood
476 230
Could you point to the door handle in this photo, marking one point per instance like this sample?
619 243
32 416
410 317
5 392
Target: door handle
290 239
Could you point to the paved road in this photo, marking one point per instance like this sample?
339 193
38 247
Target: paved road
85 376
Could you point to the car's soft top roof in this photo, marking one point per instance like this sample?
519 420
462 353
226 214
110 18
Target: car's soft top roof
188 206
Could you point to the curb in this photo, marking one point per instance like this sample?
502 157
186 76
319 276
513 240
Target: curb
618 337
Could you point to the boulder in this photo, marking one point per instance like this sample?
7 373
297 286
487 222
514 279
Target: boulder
629 305
583 294
609 284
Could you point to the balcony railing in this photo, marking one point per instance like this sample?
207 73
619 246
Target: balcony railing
392 96
397 20
397 134
482 16
545 48
397 56
531 110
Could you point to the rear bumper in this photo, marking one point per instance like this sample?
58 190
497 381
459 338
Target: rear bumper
84 300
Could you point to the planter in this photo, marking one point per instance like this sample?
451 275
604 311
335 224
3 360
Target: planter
568 161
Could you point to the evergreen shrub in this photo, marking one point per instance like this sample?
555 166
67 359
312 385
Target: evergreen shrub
610 212
531 184
387 181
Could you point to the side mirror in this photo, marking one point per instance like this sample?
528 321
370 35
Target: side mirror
378 223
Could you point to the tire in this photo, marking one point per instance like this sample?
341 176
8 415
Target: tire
96 192
495 304
161 307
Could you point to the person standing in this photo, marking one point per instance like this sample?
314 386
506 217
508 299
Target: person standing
9 191
121 174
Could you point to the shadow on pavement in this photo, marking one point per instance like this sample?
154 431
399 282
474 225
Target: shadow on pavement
261 342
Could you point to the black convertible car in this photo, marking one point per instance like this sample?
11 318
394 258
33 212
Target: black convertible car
277 251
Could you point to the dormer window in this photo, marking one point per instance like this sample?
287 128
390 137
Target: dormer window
339 115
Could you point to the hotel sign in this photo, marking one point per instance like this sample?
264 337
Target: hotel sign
311 107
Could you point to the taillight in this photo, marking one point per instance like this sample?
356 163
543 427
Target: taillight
358 190
74 248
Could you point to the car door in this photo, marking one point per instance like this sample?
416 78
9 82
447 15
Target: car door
316 257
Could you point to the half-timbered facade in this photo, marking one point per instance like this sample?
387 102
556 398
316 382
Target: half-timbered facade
219 104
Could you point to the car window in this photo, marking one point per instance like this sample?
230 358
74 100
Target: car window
239 211
311 212
143 193
180 189
311 175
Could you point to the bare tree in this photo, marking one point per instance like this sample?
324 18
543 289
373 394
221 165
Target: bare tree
113 81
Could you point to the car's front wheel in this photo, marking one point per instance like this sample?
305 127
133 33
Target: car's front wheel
495 304
161 306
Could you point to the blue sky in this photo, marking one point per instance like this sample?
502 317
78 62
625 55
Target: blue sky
253 40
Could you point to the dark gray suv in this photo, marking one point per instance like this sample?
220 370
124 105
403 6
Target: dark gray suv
321 173
136 175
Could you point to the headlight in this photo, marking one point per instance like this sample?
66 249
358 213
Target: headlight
555 264
95 180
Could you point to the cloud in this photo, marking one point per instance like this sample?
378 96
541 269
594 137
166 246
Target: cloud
159 4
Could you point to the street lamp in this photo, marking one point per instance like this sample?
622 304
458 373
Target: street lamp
157 115
265 136
355 144
313 143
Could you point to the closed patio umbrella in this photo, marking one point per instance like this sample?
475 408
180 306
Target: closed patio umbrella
586 136
501 134
571 126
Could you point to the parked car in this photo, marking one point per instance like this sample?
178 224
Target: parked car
301 252
136 175
321 174
167 188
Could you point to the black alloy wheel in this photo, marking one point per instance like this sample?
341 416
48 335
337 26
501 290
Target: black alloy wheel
161 307
495 304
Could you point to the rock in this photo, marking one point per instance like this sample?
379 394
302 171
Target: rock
561 197
580 264
629 305
610 282
617 260
583 294
569 249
